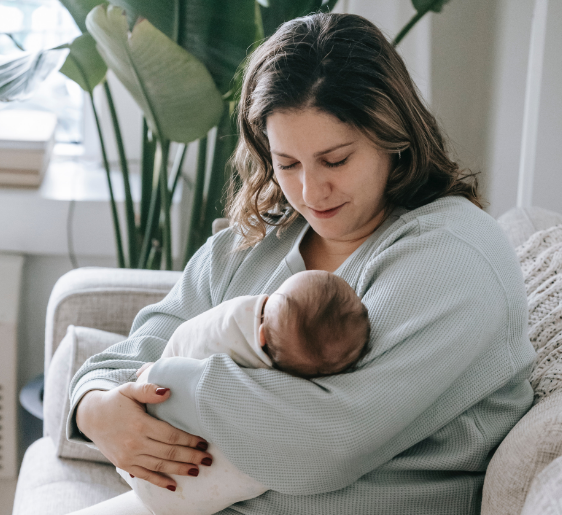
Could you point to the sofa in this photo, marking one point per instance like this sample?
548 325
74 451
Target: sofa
92 308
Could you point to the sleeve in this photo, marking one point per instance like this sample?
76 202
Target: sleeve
151 330
430 330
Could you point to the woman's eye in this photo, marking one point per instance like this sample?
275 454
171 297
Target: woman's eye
286 167
333 165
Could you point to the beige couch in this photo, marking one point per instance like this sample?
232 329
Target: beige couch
91 308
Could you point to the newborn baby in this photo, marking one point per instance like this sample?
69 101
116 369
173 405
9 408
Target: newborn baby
314 325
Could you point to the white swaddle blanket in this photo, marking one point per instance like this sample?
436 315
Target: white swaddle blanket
230 328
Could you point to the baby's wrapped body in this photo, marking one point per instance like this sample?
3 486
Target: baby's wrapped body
313 325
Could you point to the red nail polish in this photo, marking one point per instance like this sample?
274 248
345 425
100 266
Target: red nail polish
171 488
207 461
193 472
131 475
202 446
162 391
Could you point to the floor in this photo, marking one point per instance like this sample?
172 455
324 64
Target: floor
7 491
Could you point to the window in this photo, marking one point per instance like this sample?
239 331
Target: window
33 25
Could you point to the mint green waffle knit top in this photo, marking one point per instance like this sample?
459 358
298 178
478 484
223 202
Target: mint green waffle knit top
412 430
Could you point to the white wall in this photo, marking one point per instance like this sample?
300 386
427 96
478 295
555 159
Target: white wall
512 39
462 53
390 16
548 172
479 54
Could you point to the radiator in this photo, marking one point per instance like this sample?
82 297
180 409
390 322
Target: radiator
10 284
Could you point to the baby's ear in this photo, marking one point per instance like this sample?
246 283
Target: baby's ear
262 335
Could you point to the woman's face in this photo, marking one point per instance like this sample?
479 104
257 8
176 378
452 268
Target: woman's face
330 172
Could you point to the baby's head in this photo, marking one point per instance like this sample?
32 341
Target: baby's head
314 325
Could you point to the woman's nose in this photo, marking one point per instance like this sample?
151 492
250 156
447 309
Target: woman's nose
315 188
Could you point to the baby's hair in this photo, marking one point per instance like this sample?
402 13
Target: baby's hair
328 314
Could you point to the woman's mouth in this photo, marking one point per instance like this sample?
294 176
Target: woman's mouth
327 213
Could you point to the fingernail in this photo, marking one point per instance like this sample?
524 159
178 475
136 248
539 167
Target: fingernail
207 461
202 446
193 472
131 475
171 488
162 391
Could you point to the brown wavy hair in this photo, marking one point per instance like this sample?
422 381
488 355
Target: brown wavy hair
340 64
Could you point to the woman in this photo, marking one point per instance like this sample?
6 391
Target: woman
336 142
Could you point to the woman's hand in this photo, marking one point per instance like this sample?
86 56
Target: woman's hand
117 422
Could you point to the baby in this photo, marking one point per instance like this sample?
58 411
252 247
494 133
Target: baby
314 325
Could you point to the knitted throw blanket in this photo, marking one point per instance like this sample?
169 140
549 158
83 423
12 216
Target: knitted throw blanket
541 261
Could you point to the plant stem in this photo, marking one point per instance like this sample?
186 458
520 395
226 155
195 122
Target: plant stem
147 175
129 207
120 255
177 166
224 147
194 232
165 196
417 17
152 219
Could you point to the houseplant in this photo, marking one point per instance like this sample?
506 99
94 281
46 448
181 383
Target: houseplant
173 56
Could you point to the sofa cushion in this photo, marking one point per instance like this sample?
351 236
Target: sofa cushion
545 495
520 223
528 448
49 485
76 347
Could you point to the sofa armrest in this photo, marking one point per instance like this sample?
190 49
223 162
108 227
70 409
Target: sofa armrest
102 298
76 347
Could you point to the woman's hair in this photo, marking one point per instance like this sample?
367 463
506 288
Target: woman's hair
340 64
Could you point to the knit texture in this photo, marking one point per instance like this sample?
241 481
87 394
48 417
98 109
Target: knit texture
411 431
541 263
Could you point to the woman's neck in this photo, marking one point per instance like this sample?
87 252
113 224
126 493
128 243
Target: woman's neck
321 254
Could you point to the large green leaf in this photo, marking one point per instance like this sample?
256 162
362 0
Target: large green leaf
172 87
217 32
280 11
84 64
163 14
429 5
79 9
21 73
220 33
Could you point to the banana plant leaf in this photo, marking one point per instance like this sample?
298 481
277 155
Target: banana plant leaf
218 32
21 73
84 64
172 87
79 9
163 14
280 11
429 5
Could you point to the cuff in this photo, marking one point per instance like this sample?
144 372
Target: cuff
72 432
181 376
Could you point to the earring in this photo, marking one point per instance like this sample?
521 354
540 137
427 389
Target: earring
399 154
